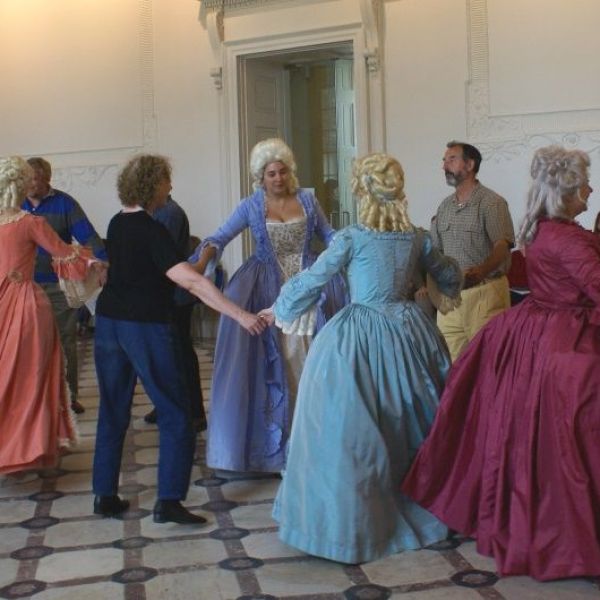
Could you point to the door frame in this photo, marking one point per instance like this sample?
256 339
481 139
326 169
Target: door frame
369 105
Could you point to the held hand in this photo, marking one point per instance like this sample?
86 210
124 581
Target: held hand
199 266
267 315
253 324
101 270
473 276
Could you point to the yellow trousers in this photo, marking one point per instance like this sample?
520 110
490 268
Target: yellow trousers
479 304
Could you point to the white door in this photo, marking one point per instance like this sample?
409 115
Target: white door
264 108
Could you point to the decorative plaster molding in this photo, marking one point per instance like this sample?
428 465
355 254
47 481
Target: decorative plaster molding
588 141
212 14
147 74
223 4
65 178
371 11
503 137
216 36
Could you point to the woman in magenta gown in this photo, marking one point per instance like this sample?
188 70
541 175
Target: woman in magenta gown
513 458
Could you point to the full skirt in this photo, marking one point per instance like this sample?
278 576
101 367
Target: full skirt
367 397
252 404
35 417
513 458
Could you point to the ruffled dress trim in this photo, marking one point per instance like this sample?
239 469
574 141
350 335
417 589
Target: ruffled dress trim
11 217
305 324
76 279
75 265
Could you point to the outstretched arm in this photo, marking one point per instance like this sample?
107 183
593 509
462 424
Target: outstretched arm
211 248
186 277
206 255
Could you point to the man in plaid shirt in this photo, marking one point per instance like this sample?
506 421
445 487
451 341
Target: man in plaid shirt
473 226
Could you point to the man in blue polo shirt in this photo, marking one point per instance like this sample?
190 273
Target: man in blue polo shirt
67 218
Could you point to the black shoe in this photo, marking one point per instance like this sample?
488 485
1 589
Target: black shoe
109 506
172 511
150 417
77 407
199 424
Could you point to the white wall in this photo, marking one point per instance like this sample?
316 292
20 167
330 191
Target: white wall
88 84
439 66
187 111
95 82
425 74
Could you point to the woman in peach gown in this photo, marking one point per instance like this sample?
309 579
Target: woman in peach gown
35 417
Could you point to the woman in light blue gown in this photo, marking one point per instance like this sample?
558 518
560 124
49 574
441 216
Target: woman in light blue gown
370 385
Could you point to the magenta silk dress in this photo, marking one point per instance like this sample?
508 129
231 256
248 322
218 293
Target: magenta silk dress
513 457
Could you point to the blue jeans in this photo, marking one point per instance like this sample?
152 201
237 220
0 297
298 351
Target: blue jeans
124 351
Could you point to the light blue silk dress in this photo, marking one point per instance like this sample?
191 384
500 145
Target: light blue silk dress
366 400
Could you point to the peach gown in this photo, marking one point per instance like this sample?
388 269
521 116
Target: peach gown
35 417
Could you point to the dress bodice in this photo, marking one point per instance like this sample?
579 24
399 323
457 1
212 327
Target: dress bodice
251 213
563 265
381 268
287 240
20 239
383 271
18 248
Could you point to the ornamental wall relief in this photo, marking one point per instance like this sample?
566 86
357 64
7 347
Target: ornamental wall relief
507 136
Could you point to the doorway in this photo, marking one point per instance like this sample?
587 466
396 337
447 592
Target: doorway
305 96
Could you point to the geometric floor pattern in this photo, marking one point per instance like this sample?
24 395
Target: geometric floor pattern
53 548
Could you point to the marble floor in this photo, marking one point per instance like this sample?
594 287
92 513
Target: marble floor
53 548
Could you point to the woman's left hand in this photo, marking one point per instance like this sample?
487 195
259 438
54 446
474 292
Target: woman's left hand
101 270
267 315
253 324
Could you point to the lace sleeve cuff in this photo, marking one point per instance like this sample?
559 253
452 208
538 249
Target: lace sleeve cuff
305 324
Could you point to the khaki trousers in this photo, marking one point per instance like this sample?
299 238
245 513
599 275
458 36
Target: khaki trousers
66 321
479 304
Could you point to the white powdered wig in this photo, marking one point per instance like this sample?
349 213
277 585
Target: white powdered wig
270 151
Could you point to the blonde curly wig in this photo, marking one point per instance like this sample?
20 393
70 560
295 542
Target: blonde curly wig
270 151
378 182
15 179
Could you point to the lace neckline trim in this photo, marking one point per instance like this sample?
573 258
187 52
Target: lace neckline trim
291 221
11 217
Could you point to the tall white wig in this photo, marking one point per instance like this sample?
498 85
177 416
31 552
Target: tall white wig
556 174
15 179
267 152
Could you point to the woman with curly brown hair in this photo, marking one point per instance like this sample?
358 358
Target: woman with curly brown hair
134 340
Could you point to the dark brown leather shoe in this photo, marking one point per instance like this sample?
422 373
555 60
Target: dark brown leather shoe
172 511
110 506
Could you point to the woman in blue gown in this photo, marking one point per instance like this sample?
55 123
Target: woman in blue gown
370 385
255 378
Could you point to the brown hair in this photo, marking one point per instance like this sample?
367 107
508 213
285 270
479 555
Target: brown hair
139 178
